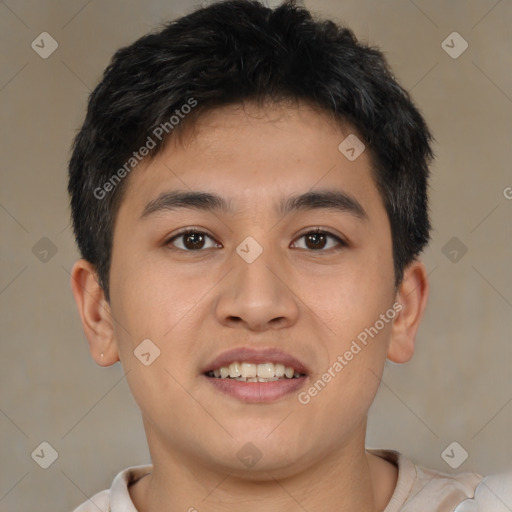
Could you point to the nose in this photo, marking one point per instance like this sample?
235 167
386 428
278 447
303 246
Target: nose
257 296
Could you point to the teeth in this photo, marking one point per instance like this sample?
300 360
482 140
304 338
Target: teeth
234 370
249 372
266 370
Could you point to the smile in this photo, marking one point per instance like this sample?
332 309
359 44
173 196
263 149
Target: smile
251 372
256 375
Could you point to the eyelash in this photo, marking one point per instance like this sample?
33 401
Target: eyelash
188 231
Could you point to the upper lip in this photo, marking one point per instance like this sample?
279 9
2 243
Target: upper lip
256 356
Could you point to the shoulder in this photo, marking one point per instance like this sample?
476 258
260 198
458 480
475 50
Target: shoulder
494 493
117 498
420 488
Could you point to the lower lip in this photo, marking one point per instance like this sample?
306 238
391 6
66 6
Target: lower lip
257 392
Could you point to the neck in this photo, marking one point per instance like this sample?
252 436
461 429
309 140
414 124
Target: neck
347 480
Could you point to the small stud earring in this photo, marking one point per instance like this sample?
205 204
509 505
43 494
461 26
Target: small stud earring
101 354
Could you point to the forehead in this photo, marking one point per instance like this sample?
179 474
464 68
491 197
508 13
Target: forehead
253 154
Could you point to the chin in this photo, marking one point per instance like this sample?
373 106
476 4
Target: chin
259 456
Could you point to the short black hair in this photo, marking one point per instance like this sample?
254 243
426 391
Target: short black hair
236 51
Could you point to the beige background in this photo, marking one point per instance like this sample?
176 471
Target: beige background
458 386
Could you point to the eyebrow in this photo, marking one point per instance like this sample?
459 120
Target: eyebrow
207 201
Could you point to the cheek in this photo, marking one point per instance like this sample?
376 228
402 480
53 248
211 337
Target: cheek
156 312
357 308
340 396
150 298
151 310
351 300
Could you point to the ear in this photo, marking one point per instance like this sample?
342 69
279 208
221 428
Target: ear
95 313
412 296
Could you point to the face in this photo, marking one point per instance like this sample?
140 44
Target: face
286 259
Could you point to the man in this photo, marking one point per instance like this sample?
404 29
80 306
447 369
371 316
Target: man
249 195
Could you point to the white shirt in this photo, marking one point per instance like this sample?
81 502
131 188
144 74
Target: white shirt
418 489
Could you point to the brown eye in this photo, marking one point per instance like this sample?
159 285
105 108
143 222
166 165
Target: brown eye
192 241
320 241
316 240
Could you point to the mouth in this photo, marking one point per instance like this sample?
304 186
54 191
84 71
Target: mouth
256 376
251 372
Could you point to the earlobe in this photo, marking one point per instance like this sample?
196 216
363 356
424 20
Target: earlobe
412 296
94 312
